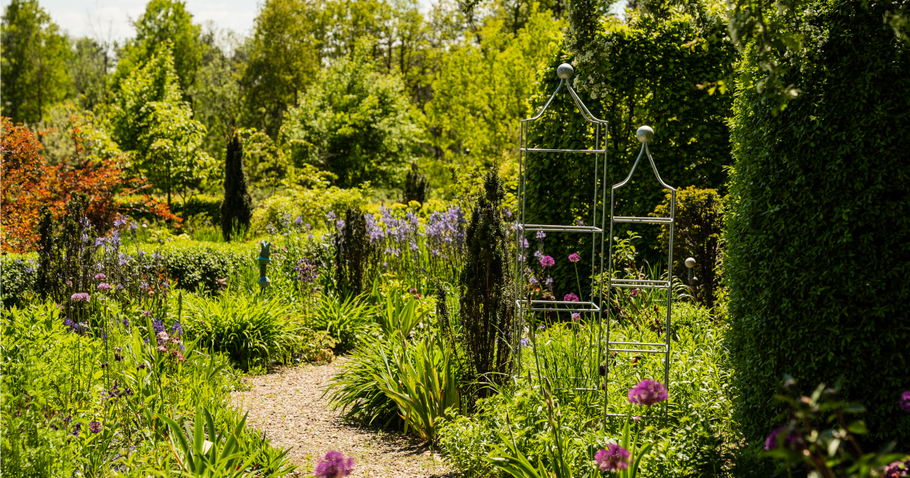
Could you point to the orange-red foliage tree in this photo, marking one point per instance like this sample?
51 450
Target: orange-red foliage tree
27 183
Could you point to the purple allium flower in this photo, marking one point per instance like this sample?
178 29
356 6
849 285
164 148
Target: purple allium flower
94 427
570 297
80 296
547 261
576 316
100 276
613 458
574 257
541 235
334 465
898 469
648 392
104 286
789 441
905 401
633 293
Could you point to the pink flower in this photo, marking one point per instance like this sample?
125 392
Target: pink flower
574 257
613 458
648 392
547 261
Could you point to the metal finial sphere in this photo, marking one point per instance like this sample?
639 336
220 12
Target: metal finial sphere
565 71
690 262
644 134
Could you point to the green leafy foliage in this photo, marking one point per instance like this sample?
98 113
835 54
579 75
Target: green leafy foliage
33 60
817 227
354 122
252 331
201 266
348 321
17 279
697 228
150 119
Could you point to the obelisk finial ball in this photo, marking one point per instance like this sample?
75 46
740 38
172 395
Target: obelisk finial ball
644 134
565 71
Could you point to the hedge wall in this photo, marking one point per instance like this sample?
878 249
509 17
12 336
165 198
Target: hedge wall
818 229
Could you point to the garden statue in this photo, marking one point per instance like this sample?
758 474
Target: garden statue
263 262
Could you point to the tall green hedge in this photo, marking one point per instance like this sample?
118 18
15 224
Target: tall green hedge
818 229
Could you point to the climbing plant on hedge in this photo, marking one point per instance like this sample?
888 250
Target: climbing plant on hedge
818 229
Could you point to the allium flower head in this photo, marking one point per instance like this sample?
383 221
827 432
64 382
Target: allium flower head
789 441
80 296
648 392
905 401
613 458
570 297
104 286
574 257
334 465
547 261
100 276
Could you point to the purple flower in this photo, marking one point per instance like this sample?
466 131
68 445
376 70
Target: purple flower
898 469
104 286
574 257
158 325
80 296
533 280
547 261
100 276
541 235
525 342
905 401
576 316
334 465
177 329
94 427
76 427
570 297
548 282
126 323
648 392
613 458
633 293
774 440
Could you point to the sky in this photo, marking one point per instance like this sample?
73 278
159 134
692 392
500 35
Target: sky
110 19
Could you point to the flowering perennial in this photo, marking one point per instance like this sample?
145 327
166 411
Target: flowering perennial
334 465
648 392
613 458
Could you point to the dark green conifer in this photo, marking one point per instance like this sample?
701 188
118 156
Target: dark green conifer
237 208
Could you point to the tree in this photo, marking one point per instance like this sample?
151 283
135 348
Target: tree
283 61
481 94
354 122
164 23
817 226
237 208
487 311
151 120
33 57
88 67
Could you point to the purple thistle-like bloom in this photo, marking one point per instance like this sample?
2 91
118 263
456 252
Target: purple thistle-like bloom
613 458
334 465
570 297
80 296
773 440
94 427
905 401
574 257
898 469
104 286
547 261
648 392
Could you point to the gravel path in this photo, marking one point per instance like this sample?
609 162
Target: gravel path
287 406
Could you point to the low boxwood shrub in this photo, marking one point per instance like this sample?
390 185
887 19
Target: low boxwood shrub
198 266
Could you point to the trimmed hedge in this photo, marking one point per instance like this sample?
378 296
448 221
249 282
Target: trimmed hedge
197 266
818 229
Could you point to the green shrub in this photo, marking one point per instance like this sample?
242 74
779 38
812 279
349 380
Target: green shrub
697 231
818 229
17 279
348 321
207 205
253 331
199 266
